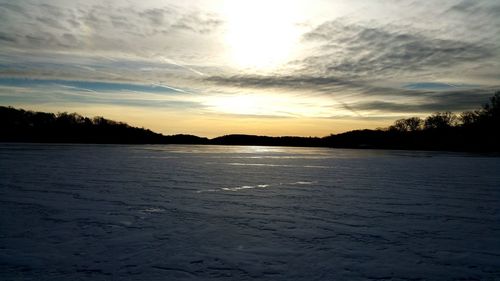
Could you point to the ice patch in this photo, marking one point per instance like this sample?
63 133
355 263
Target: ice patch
245 187
258 164
152 210
235 188
303 182
207 190
238 188
278 165
125 223
317 166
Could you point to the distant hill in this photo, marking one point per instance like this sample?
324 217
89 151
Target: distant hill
265 140
477 130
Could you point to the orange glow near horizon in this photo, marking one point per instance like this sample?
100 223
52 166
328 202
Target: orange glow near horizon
212 125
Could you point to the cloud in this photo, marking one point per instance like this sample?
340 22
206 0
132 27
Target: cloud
99 27
197 22
155 15
355 50
12 7
390 67
431 102
358 97
88 92
278 81
98 68
467 6
489 9
7 37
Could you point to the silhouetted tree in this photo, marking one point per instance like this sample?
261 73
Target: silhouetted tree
469 118
407 125
492 109
27 126
440 120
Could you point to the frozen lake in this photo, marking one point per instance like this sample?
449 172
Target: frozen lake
154 212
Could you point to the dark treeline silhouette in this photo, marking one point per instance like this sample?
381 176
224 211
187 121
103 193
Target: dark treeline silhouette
17 125
477 130
265 140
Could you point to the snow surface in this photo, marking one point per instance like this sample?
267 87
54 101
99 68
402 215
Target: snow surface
119 212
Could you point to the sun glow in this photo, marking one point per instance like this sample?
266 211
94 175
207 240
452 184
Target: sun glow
270 105
240 104
261 34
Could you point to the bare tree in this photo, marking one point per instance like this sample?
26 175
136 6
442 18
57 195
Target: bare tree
440 120
492 109
468 118
407 125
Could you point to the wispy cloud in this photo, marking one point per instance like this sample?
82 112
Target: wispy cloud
88 92
431 102
98 26
384 52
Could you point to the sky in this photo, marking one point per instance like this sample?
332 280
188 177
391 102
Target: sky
266 67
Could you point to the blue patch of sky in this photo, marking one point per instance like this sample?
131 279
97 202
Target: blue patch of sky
87 85
37 96
60 99
436 86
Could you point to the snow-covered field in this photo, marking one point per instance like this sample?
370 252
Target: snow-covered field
117 212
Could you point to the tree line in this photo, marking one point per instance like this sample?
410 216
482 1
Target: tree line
486 117
18 125
477 130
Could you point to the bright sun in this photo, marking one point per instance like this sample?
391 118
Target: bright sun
261 34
